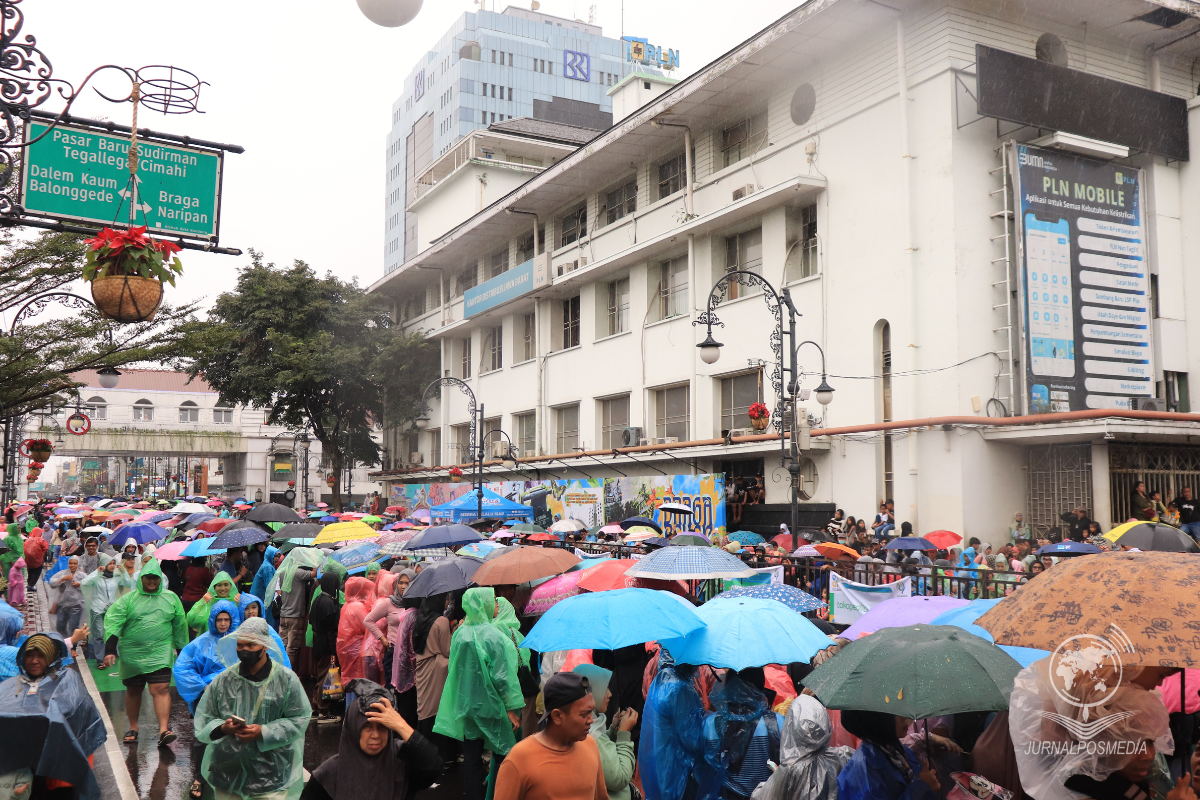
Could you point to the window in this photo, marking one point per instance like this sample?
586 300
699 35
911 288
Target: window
435 447
487 439
671 176
618 306
266 418
496 348
223 416
743 252
464 350
96 408
466 280
673 288
498 263
671 412
802 243
619 203
525 243
737 395
528 337
567 424
570 317
614 418
510 93
526 425
143 411
460 447
189 412
573 226
743 139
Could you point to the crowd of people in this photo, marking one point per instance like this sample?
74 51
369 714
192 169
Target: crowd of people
261 644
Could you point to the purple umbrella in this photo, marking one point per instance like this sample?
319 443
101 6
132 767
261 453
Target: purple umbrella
900 612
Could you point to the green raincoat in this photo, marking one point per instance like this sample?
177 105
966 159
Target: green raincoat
267 764
16 548
197 617
149 627
482 686
510 626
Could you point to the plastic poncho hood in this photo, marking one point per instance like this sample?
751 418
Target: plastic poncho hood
149 626
199 613
306 557
199 662
808 766
482 684
506 620
53 731
99 588
672 743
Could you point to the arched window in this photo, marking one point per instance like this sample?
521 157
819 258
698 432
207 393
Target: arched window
189 412
143 411
96 408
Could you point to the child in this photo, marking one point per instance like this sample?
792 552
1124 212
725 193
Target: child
16 583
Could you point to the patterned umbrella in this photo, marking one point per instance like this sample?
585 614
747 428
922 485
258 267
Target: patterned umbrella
356 556
790 596
690 562
552 592
806 551
641 533
239 537
689 539
747 538
396 536
478 549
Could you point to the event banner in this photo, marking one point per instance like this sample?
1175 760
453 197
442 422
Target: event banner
704 494
1084 282
848 600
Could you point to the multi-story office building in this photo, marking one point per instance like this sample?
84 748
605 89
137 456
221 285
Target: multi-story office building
491 67
1004 289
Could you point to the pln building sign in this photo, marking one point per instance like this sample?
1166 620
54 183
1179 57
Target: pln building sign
640 51
80 174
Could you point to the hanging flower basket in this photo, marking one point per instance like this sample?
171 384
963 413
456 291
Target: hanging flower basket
32 477
760 417
39 449
38 465
456 475
331 480
127 270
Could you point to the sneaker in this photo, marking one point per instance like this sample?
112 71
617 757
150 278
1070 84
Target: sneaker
328 719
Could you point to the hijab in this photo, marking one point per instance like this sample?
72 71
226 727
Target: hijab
354 775
397 595
880 730
598 679
432 607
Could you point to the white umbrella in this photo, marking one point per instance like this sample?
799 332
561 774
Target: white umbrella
191 508
676 508
567 526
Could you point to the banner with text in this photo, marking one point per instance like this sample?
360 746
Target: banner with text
848 600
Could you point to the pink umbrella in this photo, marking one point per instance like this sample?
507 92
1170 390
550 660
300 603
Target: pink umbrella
553 591
215 503
172 551
504 534
146 517
394 535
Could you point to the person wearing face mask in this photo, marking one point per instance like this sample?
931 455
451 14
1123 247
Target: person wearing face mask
252 717
99 592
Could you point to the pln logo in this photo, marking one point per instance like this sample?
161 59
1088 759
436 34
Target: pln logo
1086 672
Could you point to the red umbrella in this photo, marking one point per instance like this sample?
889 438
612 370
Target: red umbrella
943 539
394 508
544 537
611 575
213 525
784 540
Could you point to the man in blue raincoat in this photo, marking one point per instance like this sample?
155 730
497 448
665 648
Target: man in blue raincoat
672 745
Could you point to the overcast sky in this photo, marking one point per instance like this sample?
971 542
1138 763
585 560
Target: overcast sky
307 89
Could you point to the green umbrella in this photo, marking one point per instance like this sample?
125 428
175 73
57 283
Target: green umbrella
371 519
919 671
527 527
690 539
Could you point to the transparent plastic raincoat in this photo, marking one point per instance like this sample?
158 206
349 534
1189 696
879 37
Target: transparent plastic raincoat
359 653
262 579
149 627
808 766
278 703
99 593
482 686
197 616
52 730
506 620
672 743
246 599
198 663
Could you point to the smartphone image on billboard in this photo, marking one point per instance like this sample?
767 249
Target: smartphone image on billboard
1049 305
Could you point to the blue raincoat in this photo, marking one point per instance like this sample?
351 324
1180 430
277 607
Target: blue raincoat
53 730
246 599
262 579
198 662
11 623
672 744
869 775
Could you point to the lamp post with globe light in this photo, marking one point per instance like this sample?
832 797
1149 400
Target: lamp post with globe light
390 13
787 394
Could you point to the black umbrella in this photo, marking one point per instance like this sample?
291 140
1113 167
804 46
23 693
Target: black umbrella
238 537
1152 536
634 521
272 512
298 530
443 536
450 575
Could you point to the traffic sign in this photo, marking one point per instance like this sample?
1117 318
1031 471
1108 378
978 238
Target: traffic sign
82 174
79 423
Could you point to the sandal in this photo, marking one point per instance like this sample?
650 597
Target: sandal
131 737
166 737
197 789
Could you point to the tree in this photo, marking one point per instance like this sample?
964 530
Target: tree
318 353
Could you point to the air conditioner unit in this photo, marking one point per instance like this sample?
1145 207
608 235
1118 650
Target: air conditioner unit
499 449
632 437
1149 404
529 454
743 432
666 440
416 458
743 191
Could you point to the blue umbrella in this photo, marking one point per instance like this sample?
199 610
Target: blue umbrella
1069 549
749 538
443 536
356 556
239 537
479 549
790 596
237 501
690 562
329 518
608 620
656 541
633 522
964 617
200 548
140 532
910 543
747 632
316 514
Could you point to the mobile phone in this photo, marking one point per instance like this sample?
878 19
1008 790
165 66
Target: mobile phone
241 723
772 765
1048 286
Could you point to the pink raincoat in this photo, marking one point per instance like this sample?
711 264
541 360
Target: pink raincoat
359 652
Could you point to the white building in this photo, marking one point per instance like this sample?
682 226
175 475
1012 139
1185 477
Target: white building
840 154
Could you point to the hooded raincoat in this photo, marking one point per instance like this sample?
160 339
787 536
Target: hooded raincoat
482 686
506 620
672 742
126 580
808 766
198 663
150 627
617 758
99 593
359 652
262 580
16 548
245 600
52 730
197 616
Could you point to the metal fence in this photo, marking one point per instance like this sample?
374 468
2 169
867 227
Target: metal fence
1060 479
1165 467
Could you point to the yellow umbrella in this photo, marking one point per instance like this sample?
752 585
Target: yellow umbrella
345 532
1119 531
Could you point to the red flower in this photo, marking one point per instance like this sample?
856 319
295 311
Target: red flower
456 472
758 411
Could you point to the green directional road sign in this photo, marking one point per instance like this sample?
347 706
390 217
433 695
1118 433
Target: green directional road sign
80 174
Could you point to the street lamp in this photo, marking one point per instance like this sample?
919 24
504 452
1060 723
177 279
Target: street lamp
422 420
474 441
108 377
710 352
258 495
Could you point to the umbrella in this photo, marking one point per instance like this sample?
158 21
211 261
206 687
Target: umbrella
479 549
567 526
676 508
521 564
640 533
172 551
298 530
316 514
292 544
213 525
747 538
398 536
189 508
272 512
239 537
198 548
658 541
394 549
610 574
910 543
964 617
785 539
690 562
345 532
215 503
1156 536
807 551
835 550
917 671
943 540
748 632
371 519
634 522
609 620
153 516
527 527
194 520
552 592
685 539
1071 549
901 611
96 530
141 532
444 536
449 575
502 535
795 599
328 518
356 556
545 537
